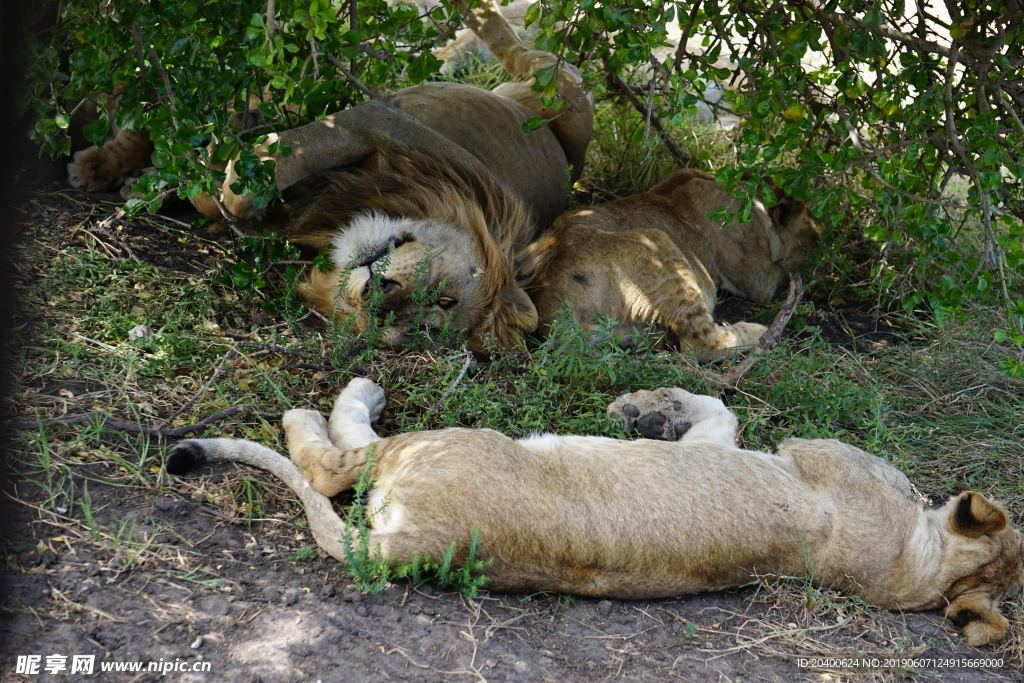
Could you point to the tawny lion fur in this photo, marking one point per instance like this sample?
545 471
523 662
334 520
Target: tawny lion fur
595 517
656 258
402 152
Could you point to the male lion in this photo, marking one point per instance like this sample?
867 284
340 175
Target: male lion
656 258
440 164
640 519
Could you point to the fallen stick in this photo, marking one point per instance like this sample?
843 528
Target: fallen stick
733 375
465 366
113 422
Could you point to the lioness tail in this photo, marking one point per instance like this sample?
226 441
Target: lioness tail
327 527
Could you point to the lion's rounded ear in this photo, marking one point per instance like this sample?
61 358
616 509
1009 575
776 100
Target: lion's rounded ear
787 212
534 259
974 515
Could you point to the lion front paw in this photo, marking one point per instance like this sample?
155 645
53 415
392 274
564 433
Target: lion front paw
367 392
674 414
744 335
660 414
90 172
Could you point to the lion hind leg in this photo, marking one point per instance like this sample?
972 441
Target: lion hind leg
491 27
670 414
358 406
328 469
684 306
104 169
573 123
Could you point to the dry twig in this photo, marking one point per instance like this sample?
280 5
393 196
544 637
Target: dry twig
351 77
618 84
465 366
768 339
108 421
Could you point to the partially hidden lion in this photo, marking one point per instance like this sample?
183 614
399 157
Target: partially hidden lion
656 258
594 516
440 164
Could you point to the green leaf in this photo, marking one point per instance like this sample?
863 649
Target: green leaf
545 80
533 123
96 131
422 67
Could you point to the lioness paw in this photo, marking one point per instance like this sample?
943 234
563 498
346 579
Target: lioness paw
745 335
368 393
662 414
86 172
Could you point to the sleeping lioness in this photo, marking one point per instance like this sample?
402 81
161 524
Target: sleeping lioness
656 258
594 516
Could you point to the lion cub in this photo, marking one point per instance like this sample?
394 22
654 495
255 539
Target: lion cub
642 519
656 258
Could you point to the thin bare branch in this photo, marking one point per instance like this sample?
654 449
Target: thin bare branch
616 82
796 289
137 37
351 77
271 19
313 54
681 48
465 366
108 421
1000 99
167 85
991 246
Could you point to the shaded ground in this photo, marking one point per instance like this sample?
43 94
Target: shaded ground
854 327
256 612
178 571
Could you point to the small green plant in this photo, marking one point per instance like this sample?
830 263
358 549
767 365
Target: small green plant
569 189
306 552
371 571
87 512
467 578
424 335
347 347
260 254
565 603
343 341
125 541
252 491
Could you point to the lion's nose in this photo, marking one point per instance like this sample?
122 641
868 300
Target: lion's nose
386 286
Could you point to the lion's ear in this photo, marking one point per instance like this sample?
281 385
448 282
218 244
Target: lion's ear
534 259
514 316
974 515
787 212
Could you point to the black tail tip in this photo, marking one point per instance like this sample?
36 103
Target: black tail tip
185 457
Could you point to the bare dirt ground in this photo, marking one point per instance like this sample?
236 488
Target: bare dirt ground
251 600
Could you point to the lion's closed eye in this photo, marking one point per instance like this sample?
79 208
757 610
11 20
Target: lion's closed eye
445 302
